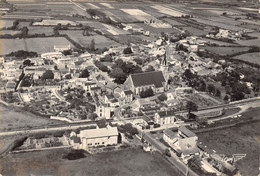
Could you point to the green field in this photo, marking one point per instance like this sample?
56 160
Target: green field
100 41
39 45
128 162
223 51
12 119
240 139
249 57
6 23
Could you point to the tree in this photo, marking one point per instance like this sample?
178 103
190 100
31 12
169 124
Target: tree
25 31
67 52
191 106
162 97
56 31
102 123
93 117
92 45
106 58
128 50
149 69
211 88
48 74
146 93
27 62
84 74
218 93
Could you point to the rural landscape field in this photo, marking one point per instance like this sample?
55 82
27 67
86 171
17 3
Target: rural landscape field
130 88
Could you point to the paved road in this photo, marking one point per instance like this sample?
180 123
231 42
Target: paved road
173 159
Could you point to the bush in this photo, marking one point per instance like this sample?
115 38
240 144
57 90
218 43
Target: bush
146 93
162 97
128 50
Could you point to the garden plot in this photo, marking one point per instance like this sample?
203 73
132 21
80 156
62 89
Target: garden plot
168 11
54 23
195 31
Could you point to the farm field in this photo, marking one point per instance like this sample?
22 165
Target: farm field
125 39
253 42
39 45
223 51
6 23
40 30
168 11
54 23
140 15
3 32
157 30
173 22
249 57
12 119
221 24
221 43
240 139
51 162
100 41
195 31
118 15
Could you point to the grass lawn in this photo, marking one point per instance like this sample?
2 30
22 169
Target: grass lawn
128 162
240 139
11 119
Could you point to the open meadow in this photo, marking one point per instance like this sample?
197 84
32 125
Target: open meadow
240 139
39 45
100 41
127 162
249 57
15 119
223 51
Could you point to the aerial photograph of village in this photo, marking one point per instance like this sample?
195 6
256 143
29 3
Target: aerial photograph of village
129 88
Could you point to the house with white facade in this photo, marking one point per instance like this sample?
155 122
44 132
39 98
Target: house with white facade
98 137
165 117
127 95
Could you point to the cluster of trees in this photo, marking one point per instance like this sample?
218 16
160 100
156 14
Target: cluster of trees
27 62
128 50
101 66
162 97
22 54
84 74
48 74
128 130
120 70
106 58
146 93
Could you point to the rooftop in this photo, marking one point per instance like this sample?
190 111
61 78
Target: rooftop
166 113
100 132
128 92
186 131
155 78
169 133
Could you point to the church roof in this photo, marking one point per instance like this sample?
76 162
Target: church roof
155 78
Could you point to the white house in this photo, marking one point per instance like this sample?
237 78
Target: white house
98 137
127 95
164 117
